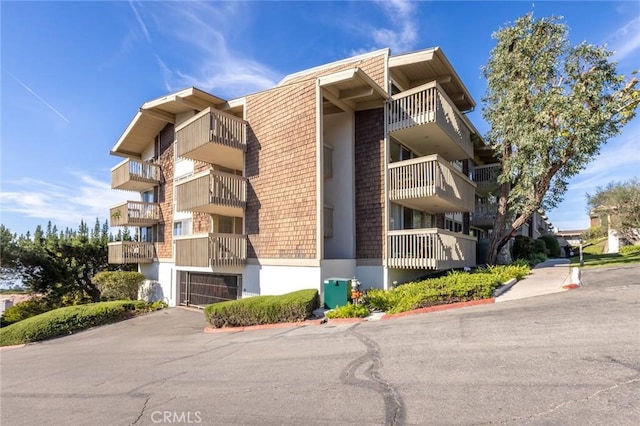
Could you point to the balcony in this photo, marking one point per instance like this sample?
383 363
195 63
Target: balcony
486 178
212 192
122 252
214 137
134 213
430 248
133 175
484 215
211 250
430 184
425 119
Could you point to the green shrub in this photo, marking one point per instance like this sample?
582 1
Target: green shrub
523 247
67 320
518 269
629 250
118 285
381 300
552 245
26 309
537 258
349 311
456 286
291 307
539 246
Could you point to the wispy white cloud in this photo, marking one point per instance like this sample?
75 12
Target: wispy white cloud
613 158
205 30
81 197
38 97
401 33
141 23
618 161
626 40
400 39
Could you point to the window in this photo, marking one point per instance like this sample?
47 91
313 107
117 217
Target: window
146 234
225 224
182 227
148 196
399 152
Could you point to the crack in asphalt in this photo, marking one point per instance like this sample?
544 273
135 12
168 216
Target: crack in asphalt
144 407
567 403
393 405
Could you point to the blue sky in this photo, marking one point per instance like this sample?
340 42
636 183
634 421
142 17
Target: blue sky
74 73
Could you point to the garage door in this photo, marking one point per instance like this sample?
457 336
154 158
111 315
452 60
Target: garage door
199 289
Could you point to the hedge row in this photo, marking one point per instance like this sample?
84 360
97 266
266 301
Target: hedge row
454 287
629 250
291 307
67 320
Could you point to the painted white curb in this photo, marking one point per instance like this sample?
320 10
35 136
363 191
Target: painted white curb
504 287
575 276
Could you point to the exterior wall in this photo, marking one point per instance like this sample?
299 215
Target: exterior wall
164 246
281 168
338 268
274 280
374 67
339 189
162 277
369 181
613 241
371 276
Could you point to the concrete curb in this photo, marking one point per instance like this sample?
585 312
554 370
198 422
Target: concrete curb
2 348
438 308
345 320
504 287
263 326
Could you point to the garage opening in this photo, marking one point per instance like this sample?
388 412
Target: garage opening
200 289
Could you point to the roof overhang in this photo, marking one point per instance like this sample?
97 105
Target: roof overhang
414 69
154 115
352 89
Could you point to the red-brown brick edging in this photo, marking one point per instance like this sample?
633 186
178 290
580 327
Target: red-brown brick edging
262 326
437 308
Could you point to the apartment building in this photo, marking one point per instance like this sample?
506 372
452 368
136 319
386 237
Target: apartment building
357 168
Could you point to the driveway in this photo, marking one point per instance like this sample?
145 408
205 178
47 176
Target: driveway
570 358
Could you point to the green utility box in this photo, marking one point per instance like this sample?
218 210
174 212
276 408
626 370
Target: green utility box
337 292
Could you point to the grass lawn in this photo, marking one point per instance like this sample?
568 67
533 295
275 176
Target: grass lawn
597 247
604 260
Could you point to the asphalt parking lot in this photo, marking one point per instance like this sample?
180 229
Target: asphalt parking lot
570 358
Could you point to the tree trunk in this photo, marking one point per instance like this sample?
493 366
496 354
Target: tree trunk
500 235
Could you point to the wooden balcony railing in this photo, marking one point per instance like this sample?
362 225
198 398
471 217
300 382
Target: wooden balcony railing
134 213
430 248
212 192
213 136
211 250
122 252
486 177
133 175
429 104
430 183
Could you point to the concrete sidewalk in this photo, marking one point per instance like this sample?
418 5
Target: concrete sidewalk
545 278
